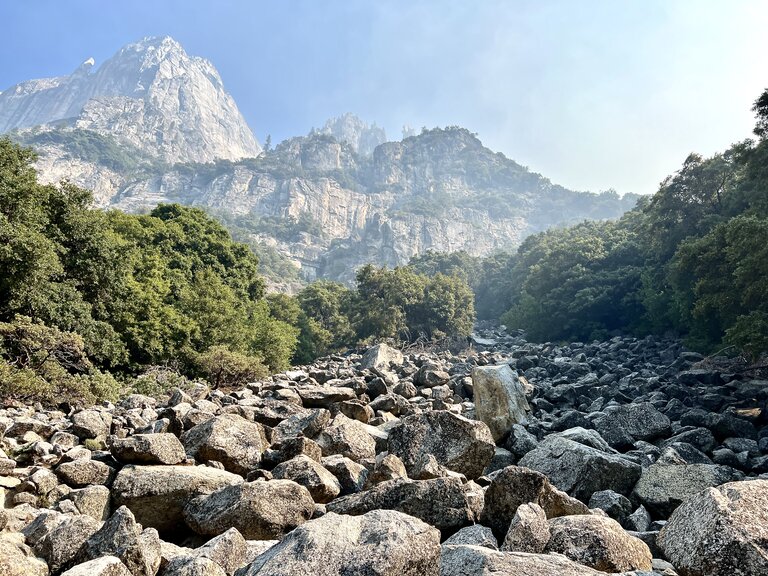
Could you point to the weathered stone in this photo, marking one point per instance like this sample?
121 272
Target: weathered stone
157 494
462 445
81 473
615 505
499 398
475 535
599 543
230 439
229 550
308 423
259 510
580 470
720 531
92 500
148 449
663 487
528 531
122 537
17 559
105 566
514 486
91 424
387 467
322 485
348 438
324 396
441 502
480 561
63 542
193 566
381 542
381 357
352 476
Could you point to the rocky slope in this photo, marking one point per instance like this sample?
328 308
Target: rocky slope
625 457
150 95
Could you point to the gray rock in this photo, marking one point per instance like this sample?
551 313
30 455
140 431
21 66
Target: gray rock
348 438
229 550
322 485
105 566
259 510
148 449
476 535
381 542
351 475
381 357
63 542
499 398
720 531
230 439
92 500
480 561
641 420
663 487
324 396
91 424
81 473
580 470
599 543
157 494
123 538
442 502
387 467
528 531
514 486
17 559
462 445
615 505
520 441
639 520
193 566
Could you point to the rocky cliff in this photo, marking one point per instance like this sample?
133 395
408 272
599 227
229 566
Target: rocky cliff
150 95
154 125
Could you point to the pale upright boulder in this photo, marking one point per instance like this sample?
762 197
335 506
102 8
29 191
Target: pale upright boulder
720 531
499 398
381 542
380 357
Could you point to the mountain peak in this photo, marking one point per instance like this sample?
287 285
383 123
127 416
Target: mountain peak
349 128
151 94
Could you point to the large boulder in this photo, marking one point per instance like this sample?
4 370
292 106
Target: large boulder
580 470
528 531
62 543
459 444
598 542
17 559
663 487
322 485
259 510
380 357
621 425
123 538
441 502
157 494
514 486
481 561
720 531
230 439
499 398
347 437
381 543
104 566
163 448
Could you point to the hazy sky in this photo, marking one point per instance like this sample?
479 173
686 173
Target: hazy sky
593 94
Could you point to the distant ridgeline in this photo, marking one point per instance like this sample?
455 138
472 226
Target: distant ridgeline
154 125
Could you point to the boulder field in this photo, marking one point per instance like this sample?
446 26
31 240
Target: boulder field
631 457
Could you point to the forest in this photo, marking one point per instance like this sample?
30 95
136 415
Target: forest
96 303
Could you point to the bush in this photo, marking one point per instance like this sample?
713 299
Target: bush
223 367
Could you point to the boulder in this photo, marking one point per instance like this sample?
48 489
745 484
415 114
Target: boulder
229 550
63 542
230 439
157 494
475 535
259 510
347 437
528 531
123 538
322 485
83 472
580 470
480 561
621 425
663 487
324 396
720 531
615 505
462 445
105 566
161 448
193 566
381 542
514 486
17 559
598 542
91 500
351 475
88 424
442 502
381 357
499 398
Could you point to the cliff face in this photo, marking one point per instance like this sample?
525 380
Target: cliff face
153 125
150 95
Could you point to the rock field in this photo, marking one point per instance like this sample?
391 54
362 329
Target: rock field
632 457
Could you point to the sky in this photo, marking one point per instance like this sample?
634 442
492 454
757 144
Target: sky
593 94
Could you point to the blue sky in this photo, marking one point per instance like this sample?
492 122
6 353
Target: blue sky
594 94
